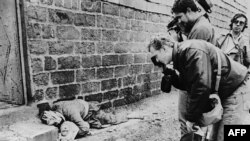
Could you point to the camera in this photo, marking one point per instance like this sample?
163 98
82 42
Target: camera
166 79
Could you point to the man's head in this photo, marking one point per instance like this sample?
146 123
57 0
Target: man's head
186 11
52 118
161 49
238 23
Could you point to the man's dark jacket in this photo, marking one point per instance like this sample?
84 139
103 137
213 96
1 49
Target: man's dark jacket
197 63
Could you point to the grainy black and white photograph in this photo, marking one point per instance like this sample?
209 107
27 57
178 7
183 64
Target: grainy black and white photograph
124 70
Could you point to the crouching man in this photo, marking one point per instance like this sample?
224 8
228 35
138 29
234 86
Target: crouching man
197 64
84 115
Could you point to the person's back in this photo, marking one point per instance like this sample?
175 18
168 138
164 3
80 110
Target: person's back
195 26
203 30
197 64
198 58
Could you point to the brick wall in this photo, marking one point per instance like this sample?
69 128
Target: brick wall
97 48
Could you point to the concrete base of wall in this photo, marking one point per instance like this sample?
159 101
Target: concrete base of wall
21 124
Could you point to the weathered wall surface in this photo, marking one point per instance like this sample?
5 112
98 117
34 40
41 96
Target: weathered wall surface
97 48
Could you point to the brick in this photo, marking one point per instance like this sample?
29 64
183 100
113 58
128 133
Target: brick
140 36
75 4
36 65
105 73
143 78
91 34
135 69
146 94
155 76
68 91
36 13
47 2
71 62
137 25
147 68
110 9
110 95
124 24
145 87
129 80
150 27
94 97
91 61
85 48
153 17
62 77
60 16
110 35
136 89
165 18
129 96
119 102
126 92
90 87
37 47
50 63
126 36
67 4
85 75
121 71
154 85
140 15
119 82
51 93
138 48
132 98
34 30
156 92
126 59
108 84
41 79
127 12
33 1
58 3
106 105
105 47
48 32
85 20
140 58
107 22
67 33
91 5
38 95
122 48
60 47
109 60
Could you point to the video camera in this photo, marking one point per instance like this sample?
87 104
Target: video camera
173 25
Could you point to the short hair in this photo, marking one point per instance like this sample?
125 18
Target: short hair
236 16
43 107
158 42
180 6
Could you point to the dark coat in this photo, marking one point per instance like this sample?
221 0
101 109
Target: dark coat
196 61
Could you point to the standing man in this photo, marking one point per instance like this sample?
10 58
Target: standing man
194 26
197 64
235 44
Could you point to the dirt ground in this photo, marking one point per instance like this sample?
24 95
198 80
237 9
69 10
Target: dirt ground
153 119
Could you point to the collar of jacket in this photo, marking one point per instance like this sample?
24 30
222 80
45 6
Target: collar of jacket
238 38
175 49
200 18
